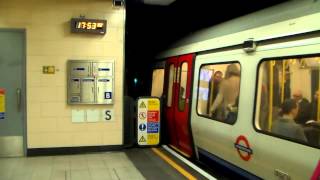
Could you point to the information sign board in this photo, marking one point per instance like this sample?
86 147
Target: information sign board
148 119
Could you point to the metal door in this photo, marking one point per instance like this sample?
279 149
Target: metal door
182 105
170 76
178 91
12 81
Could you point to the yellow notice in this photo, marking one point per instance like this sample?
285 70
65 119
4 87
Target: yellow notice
153 105
2 104
153 139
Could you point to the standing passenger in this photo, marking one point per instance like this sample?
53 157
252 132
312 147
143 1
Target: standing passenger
228 92
286 125
214 88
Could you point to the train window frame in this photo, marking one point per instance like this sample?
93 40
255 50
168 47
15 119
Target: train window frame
168 88
276 58
197 100
185 88
158 68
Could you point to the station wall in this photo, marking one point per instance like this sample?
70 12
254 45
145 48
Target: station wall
49 42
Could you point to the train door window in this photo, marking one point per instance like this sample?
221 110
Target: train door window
218 91
287 101
157 82
170 86
183 85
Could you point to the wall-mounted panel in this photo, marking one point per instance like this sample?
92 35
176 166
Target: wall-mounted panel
90 82
104 90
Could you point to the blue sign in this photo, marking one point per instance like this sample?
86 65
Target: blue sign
142 127
1 115
107 95
153 127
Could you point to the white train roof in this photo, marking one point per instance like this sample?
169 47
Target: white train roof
290 18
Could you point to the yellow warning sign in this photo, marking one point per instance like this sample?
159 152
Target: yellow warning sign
2 103
153 105
153 138
142 105
142 139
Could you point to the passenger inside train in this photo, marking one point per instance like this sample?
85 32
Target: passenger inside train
285 125
218 94
296 119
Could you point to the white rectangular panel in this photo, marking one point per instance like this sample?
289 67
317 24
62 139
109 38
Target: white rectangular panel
78 116
104 90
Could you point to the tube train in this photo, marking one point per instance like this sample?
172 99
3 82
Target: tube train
245 93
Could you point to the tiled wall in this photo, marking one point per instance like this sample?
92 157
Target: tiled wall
49 42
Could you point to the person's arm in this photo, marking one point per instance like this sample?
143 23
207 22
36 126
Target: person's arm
216 102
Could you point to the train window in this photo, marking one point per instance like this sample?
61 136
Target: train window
218 91
183 85
170 86
287 102
157 82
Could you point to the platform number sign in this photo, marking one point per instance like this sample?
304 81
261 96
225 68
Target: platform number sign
108 95
148 116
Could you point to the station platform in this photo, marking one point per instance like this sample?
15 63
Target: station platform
131 164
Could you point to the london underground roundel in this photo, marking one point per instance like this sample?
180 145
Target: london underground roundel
243 148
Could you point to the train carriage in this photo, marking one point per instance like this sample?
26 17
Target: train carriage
233 93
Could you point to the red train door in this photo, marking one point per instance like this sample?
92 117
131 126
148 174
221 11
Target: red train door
179 78
170 87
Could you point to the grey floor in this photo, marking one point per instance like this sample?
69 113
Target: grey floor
101 166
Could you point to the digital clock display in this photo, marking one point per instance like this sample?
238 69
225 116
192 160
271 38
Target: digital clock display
81 25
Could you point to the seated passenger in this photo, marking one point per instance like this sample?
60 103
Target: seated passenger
314 106
304 112
286 125
312 132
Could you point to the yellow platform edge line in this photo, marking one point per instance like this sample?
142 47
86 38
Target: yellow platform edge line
173 164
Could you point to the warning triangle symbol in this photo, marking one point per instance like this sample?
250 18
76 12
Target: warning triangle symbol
142 139
142 105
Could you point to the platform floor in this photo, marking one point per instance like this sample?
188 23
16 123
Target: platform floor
131 164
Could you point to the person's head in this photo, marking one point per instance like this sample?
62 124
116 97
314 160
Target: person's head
289 107
217 76
232 70
297 95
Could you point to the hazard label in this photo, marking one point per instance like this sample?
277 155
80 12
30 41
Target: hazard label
153 138
154 104
142 139
153 127
142 127
142 115
148 121
153 116
2 103
142 105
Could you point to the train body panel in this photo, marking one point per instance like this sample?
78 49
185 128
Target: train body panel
248 117
269 154
216 37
